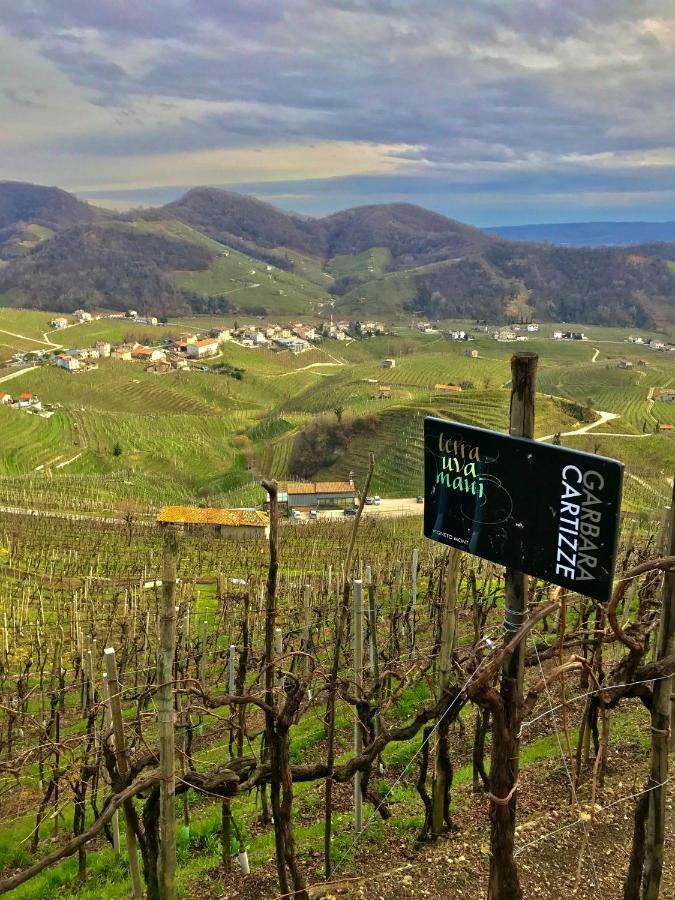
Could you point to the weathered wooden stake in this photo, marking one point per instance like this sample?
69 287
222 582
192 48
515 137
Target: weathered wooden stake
107 724
661 728
166 875
413 600
503 881
447 642
114 688
358 679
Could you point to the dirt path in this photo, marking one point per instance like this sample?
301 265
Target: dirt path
17 373
602 418
596 354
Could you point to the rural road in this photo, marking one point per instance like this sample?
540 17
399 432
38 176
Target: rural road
17 373
602 418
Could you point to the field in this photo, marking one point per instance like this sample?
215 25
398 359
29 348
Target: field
199 435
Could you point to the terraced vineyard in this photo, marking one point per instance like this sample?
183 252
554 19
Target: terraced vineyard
196 435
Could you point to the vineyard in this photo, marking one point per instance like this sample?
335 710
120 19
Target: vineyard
346 685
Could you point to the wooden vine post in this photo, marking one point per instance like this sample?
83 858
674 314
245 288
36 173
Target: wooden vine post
503 881
358 679
165 677
661 725
114 689
440 813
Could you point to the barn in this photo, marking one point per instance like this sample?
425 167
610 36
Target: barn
229 523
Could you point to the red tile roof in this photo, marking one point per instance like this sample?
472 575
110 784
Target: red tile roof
295 488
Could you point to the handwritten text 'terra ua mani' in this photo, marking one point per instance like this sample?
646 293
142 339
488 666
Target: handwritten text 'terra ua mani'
458 466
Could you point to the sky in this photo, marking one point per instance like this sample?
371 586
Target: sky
489 111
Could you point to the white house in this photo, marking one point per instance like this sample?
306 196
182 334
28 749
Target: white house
533 327
68 362
147 354
28 401
59 322
557 335
82 315
5 398
103 348
200 349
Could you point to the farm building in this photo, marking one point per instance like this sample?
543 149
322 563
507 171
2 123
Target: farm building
28 401
233 523
666 395
103 348
317 493
383 392
200 349
5 398
447 387
147 354
122 352
388 363
68 362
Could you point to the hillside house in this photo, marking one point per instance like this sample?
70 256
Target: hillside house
633 339
388 363
625 364
28 401
229 523
131 314
447 387
202 349
104 349
59 323
294 344
123 351
557 335
533 327
5 398
147 354
221 335
471 354
68 362
504 335
82 315
665 395
383 392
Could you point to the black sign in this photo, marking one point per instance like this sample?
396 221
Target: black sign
542 509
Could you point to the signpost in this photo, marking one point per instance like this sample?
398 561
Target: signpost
541 509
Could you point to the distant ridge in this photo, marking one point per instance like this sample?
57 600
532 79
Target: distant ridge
217 251
589 234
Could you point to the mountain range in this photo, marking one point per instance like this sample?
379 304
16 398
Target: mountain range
589 234
217 251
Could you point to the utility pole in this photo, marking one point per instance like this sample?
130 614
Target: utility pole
167 761
503 882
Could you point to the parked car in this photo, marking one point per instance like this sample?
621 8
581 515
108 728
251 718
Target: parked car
313 514
350 511
419 499
295 514
370 501
377 500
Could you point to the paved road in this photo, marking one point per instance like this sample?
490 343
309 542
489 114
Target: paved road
602 418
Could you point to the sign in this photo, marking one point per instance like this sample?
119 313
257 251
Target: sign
544 510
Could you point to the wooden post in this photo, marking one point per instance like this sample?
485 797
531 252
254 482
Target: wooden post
413 600
107 725
202 649
661 726
307 607
447 642
230 670
358 678
114 688
503 882
166 875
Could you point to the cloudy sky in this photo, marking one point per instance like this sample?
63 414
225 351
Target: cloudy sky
491 111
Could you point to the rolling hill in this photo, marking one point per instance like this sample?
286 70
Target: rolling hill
215 251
